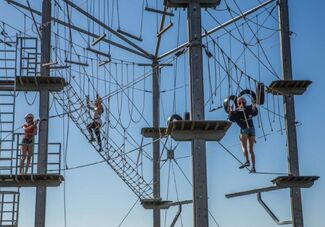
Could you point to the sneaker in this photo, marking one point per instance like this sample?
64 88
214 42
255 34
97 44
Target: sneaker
253 170
244 165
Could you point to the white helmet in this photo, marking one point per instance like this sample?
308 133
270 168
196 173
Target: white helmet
29 116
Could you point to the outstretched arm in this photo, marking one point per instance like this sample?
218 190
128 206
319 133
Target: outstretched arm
88 103
99 105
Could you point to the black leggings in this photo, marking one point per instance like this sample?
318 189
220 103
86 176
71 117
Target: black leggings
96 127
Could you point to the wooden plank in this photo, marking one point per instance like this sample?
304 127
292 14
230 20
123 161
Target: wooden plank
162 204
29 180
153 132
295 181
24 83
186 130
253 191
184 3
288 87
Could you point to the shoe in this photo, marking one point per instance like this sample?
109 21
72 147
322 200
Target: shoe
253 170
91 140
244 165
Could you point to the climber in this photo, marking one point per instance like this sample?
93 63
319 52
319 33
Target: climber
243 116
96 123
30 130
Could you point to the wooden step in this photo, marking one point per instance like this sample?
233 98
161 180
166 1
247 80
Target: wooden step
33 83
31 180
288 87
209 130
295 181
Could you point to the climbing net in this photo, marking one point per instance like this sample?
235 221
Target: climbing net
89 53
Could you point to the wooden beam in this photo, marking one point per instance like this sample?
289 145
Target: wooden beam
78 29
245 14
102 24
254 191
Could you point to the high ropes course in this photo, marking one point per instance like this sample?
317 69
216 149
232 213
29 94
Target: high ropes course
100 54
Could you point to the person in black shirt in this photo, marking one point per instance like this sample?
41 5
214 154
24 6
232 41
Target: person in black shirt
243 116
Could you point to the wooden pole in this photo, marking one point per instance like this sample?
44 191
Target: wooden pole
40 207
289 111
200 201
156 147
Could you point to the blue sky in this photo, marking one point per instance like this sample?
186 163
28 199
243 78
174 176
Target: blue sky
95 196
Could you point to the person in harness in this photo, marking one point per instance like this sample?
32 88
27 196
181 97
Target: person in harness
30 130
96 123
243 116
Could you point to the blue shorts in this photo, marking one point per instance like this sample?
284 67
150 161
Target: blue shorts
248 131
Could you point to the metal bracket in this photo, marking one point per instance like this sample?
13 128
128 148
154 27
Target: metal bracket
177 215
268 210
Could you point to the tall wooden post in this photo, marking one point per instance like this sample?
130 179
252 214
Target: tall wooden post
155 145
40 207
289 111
200 201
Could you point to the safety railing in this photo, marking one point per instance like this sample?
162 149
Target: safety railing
9 208
16 160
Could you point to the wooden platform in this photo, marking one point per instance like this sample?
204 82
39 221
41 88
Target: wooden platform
31 83
293 181
184 3
153 203
288 87
186 130
153 132
161 204
31 180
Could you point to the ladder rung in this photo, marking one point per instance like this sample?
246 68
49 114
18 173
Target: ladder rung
1 95
9 41
6 211
28 48
5 149
7 68
10 51
5 131
28 58
5 141
9 104
27 38
6 59
6 159
5 113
